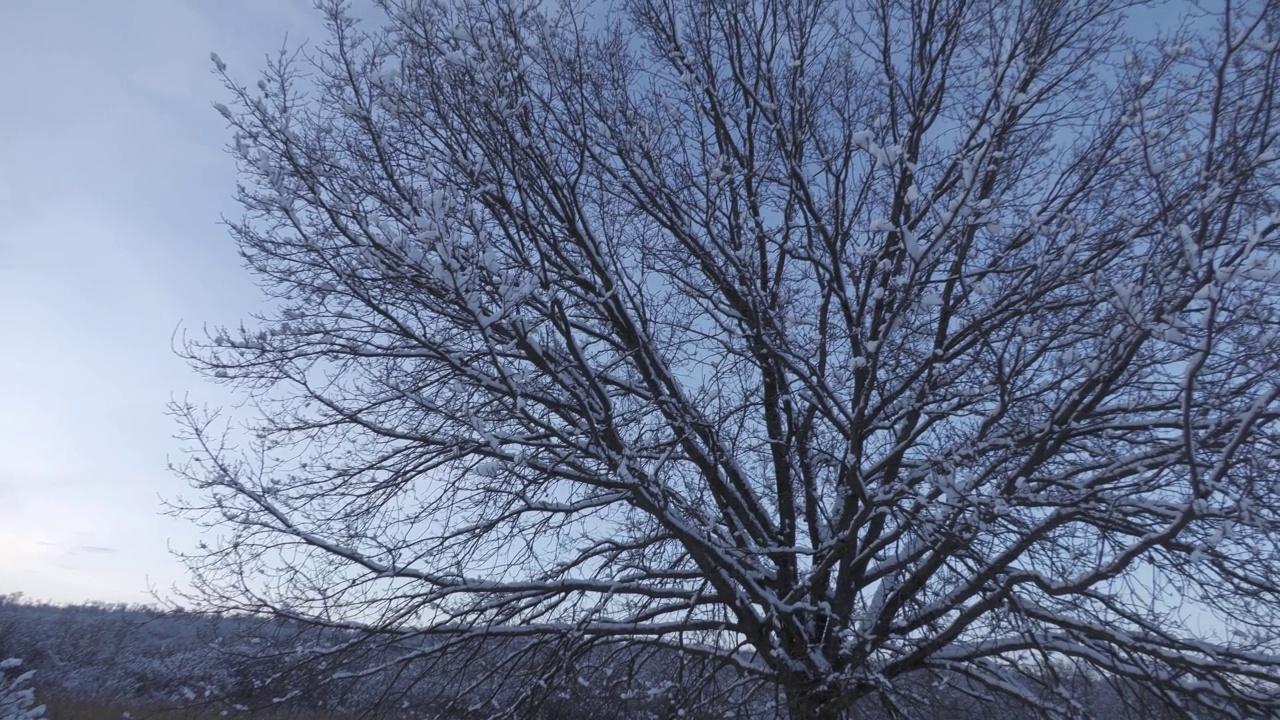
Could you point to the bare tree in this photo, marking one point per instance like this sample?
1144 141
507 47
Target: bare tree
828 345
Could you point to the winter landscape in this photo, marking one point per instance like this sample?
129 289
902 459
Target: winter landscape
776 359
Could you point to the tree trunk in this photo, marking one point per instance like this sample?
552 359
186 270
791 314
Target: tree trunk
813 700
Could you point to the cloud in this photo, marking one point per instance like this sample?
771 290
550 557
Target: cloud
94 549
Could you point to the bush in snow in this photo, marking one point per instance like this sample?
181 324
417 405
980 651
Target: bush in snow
17 701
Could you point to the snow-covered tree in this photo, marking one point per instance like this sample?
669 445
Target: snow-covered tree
834 347
17 699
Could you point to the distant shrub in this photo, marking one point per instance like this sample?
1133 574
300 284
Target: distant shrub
17 701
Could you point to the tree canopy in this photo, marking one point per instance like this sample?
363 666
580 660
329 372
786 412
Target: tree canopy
826 346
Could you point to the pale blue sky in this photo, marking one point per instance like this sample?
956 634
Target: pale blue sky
112 181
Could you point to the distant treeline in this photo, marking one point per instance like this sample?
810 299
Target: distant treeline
122 656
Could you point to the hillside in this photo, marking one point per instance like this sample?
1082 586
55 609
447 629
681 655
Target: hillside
111 661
